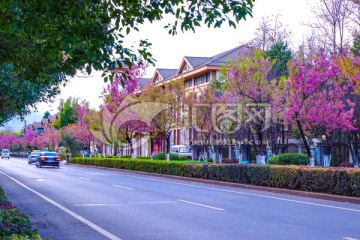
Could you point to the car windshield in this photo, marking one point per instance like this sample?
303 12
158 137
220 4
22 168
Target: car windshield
184 149
5 151
50 154
35 154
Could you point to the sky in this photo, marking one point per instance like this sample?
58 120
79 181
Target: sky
169 50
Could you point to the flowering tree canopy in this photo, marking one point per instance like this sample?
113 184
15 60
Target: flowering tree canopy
165 104
247 84
8 141
318 98
30 137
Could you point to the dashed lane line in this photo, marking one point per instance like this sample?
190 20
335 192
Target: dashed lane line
88 179
127 188
201 205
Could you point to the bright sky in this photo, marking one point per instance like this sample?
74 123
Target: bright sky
169 50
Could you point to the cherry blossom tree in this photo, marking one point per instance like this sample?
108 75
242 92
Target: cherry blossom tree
30 137
203 123
350 69
9 141
247 83
51 137
165 104
318 99
119 123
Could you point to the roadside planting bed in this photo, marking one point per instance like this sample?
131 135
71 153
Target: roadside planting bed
337 181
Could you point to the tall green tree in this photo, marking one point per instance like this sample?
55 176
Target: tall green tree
356 46
46 114
19 94
70 142
67 112
281 55
43 41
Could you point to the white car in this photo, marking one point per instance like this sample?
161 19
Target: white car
5 153
181 150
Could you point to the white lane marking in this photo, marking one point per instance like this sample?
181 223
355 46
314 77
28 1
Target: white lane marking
251 194
85 178
123 187
201 205
68 211
41 179
349 238
119 204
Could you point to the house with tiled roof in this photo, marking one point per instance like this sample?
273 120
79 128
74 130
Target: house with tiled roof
143 82
200 70
197 73
39 127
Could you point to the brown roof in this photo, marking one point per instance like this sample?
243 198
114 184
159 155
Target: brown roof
217 60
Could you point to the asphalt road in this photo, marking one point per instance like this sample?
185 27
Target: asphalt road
76 202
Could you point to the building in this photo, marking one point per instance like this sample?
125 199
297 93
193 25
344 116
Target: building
39 127
197 73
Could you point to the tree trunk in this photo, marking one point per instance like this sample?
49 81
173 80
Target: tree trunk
307 146
151 145
115 150
131 148
167 142
129 141
353 145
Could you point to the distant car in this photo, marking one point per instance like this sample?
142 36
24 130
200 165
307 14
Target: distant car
181 150
5 153
33 157
48 159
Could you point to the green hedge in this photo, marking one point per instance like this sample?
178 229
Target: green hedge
289 159
339 181
62 155
174 157
13 223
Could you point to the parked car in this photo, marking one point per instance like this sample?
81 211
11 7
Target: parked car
5 153
33 157
48 159
181 150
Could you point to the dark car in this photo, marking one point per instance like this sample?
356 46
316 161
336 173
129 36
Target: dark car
48 159
33 157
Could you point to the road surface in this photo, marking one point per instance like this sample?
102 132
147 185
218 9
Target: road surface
79 202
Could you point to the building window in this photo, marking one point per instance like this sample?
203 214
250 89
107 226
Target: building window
188 84
198 80
202 79
207 76
186 68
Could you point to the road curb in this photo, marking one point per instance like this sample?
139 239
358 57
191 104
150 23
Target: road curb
315 195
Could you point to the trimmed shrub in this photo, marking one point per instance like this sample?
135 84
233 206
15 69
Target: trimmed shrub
62 156
289 159
162 156
183 158
340 181
284 177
